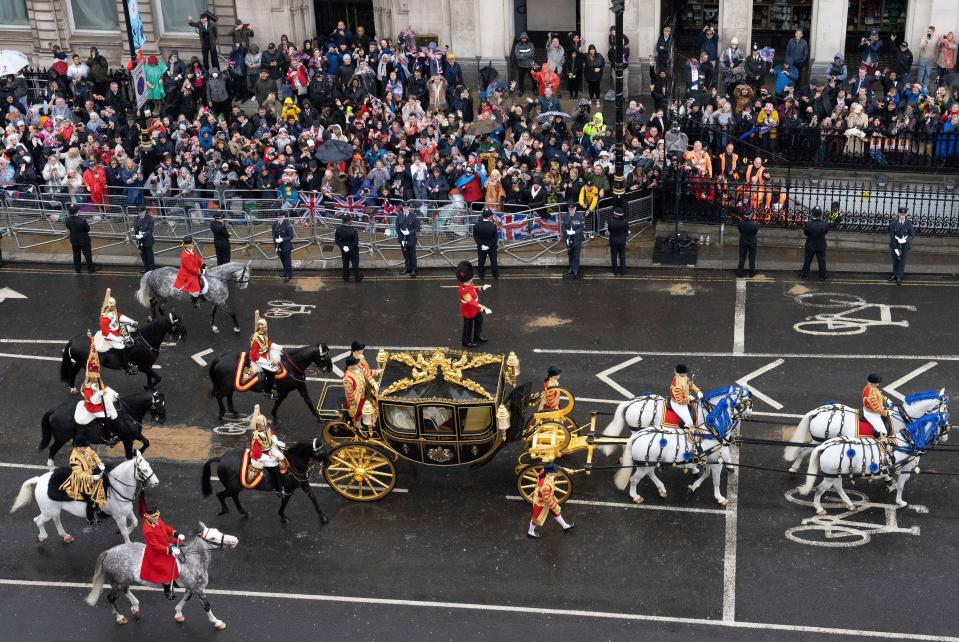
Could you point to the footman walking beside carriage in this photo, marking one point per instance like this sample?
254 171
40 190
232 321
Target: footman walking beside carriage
544 502
470 308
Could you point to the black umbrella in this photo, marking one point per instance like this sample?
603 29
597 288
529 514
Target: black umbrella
334 151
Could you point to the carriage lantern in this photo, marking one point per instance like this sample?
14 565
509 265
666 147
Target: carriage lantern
512 368
502 420
367 415
381 358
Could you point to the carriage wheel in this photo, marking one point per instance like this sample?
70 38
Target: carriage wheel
526 483
360 472
337 432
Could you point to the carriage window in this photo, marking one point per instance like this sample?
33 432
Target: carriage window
438 419
477 419
400 418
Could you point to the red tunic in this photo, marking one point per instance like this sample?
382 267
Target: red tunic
105 328
469 305
188 277
95 180
158 565
92 408
255 350
256 449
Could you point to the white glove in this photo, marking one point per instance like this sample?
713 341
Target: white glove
175 551
485 248
898 253
570 231
279 240
699 394
402 243
487 310
902 239
181 537
102 468
486 286
346 248
139 235
405 232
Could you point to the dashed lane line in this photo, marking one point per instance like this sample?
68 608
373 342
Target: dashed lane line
531 610
745 355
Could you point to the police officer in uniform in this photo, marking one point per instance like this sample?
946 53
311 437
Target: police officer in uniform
221 239
748 229
80 239
618 228
283 237
143 233
901 233
348 241
407 226
487 244
574 228
815 231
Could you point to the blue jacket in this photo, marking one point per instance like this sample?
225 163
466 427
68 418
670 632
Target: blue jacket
797 53
784 78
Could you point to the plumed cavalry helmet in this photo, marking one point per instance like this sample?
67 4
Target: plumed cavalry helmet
109 303
257 420
464 271
259 323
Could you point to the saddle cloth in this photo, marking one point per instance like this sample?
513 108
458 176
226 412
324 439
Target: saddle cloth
668 417
57 477
245 379
250 476
865 428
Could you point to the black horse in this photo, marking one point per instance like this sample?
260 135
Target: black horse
300 457
223 371
143 353
58 425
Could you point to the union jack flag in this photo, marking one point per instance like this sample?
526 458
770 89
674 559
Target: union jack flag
548 226
348 205
511 227
311 204
387 214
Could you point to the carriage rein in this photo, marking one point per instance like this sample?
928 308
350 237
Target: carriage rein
129 415
295 367
242 279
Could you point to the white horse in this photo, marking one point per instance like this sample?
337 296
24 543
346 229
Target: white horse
120 566
709 442
157 285
646 411
837 420
123 487
865 457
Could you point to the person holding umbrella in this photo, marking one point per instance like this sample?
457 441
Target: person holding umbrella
334 151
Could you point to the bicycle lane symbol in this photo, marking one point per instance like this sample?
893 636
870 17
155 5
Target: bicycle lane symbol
855 315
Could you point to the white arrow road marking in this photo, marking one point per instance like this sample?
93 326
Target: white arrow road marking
604 376
342 355
743 381
198 357
7 293
891 388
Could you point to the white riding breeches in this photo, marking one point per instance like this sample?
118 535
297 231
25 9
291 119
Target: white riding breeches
875 419
683 412
264 364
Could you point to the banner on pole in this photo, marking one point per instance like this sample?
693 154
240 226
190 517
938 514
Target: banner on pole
137 34
139 84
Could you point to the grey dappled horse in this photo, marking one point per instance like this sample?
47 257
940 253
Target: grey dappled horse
156 286
120 566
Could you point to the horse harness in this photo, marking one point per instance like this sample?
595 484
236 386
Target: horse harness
138 476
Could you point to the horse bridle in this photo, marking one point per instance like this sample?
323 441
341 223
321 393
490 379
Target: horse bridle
138 476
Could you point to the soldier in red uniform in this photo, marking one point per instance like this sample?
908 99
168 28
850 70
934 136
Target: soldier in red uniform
356 351
470 308
874 408
544 502
191 267
354 389
160 564
549 400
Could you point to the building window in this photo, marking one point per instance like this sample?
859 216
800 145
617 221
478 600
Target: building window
14 12
95 15
173 13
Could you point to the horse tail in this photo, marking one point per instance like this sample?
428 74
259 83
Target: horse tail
812 470
799 436
23 498
205 481
625 462
66 364
99 575
615 427
143 294
45 430
212 371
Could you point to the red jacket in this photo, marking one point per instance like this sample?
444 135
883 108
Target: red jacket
92 408
95 180
105 329
158 565
472 191
469 305
188 278
255 350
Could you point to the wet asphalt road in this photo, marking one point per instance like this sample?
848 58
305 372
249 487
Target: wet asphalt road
454 536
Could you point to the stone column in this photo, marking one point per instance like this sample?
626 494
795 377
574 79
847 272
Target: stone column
595 19
735 21
827 32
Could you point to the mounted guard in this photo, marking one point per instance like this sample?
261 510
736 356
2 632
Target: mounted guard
264 355
85 483
265 452
114 332
874 406
99 400
680 400
189 277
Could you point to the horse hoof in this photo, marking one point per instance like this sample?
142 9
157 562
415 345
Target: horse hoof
902 504
179 618
41 539
50 464
850 506
68 539
821 511
638 499
121 620
135 612
73 391
236 331
324 519
214 329
219 625
662 493
723 501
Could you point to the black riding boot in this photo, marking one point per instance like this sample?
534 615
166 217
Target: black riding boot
127 364
92 513
276 480
168 591
110 437
269 383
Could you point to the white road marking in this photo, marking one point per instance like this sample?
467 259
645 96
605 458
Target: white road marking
674 509
27 466
342 355
321 485
330 379
729 554
29 356
744 381
788 415
604 376
739 325
892 388
8 293
788 355
531 610
198 357
165 344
